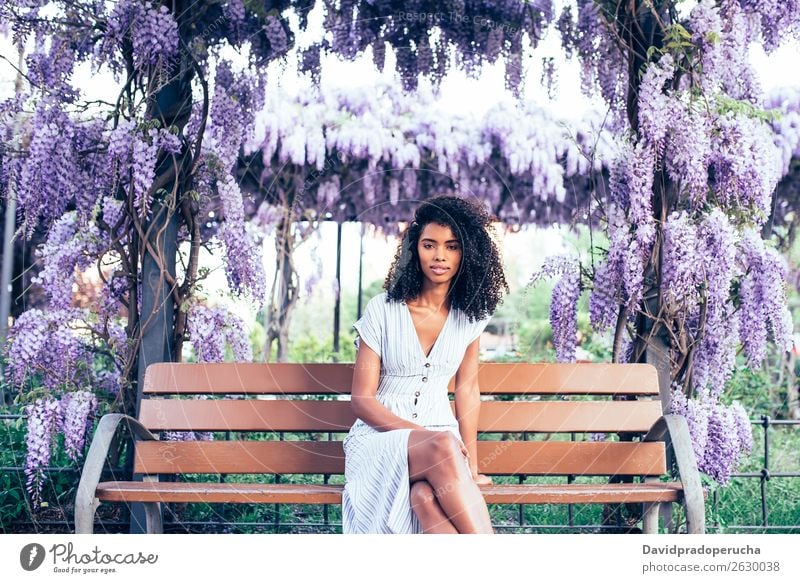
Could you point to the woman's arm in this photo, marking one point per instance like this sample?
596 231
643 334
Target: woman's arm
468 402
366 377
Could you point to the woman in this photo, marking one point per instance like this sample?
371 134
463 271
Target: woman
411 465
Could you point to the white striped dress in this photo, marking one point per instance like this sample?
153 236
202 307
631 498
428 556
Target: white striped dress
412 386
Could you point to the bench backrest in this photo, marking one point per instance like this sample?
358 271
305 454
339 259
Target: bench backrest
299 398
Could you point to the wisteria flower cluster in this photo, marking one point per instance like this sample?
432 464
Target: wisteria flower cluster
44 344
698 130
46 418
564 304
151 29
517 158
211 328
721 435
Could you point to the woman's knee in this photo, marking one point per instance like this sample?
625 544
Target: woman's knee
421 494
446 449
433 452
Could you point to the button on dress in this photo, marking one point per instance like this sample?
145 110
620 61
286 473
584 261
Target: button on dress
412 386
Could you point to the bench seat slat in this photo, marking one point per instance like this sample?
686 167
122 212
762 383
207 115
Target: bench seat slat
327 457
337 378
332 493
337 416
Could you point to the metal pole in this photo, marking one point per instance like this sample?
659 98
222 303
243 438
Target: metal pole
5 278
360 268
765 420
337 301
8 244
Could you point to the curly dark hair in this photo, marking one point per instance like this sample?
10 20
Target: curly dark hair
476 288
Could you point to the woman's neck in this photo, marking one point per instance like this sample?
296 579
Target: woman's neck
433 299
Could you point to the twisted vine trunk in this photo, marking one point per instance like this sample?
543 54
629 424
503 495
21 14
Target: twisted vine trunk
283 296
640 26
155 242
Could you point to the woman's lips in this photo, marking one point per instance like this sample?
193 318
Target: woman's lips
439 270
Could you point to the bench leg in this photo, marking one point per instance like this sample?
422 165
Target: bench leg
695 515
650 517
666 516
84 515
152 513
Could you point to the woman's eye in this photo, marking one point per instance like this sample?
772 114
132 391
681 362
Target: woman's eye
429 245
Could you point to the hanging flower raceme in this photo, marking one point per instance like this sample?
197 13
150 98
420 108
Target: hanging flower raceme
77 409
47 418
150 28
69 246
564 303
210 329
132 156
46 183
682 263
606 295
721 435
44 418
243 266
44 344
715 355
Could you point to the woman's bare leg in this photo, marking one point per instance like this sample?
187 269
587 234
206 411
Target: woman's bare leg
430 514
436 456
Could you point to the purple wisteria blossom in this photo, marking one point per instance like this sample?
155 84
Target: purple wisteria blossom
635 260
606 296
62 253
688 151
211 328
762 298
720 434
44 419
723 446
564 314
696 415
77 409
44 343
151 30
682 266
655 107
244 267
564 303
777 19
640 161
47 182
746 164
706 26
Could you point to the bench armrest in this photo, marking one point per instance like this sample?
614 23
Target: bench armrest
673 430
95 459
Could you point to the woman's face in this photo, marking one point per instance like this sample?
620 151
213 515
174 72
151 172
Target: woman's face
439 253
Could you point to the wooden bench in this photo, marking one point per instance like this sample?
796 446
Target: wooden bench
567 401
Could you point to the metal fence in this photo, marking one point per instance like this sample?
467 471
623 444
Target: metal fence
172 523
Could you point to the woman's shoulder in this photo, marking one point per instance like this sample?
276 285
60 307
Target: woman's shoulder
377 304
378 299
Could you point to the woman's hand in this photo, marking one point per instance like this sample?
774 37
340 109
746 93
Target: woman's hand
482 480
479 479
